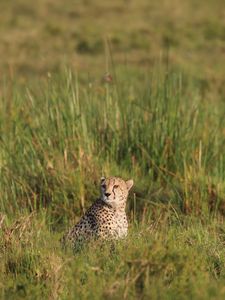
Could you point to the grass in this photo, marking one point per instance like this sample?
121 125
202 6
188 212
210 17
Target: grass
162 259
41 38
59 136
160 121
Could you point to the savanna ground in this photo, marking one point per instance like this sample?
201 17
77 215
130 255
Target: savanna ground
158 118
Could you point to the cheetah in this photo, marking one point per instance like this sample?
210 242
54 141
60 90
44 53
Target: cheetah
106 218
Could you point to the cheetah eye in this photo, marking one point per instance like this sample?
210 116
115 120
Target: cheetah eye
116 186
104 186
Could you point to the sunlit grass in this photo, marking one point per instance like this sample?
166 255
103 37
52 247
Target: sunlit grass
58 137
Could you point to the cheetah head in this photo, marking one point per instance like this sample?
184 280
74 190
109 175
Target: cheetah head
114 191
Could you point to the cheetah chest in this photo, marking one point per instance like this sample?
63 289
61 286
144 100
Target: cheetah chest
121 225
115 226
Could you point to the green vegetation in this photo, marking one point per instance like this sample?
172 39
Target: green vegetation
160 121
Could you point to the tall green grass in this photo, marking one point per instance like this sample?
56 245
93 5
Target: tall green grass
60 135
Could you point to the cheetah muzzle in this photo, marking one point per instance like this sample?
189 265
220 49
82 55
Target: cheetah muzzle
106 218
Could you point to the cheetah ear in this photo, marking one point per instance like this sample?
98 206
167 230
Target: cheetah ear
102 179
129 184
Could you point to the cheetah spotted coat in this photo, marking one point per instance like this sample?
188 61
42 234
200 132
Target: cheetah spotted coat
106 218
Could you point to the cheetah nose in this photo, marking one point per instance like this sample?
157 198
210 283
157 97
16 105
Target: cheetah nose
107 194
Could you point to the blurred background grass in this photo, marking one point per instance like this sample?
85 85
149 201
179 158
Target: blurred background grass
127 88
41 38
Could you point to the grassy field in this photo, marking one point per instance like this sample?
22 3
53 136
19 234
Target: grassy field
159 120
